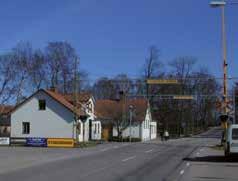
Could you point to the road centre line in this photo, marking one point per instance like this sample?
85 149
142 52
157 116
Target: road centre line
181 172
129 158
149 151
105 149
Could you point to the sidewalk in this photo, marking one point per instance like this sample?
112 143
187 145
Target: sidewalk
209 164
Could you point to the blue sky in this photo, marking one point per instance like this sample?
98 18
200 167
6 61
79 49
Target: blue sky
113 36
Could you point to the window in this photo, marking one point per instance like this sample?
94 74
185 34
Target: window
42 105
89 107
79 128
98 128
235 134
25 128
95 128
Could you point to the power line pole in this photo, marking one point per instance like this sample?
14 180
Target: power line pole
224 116
76 98
131 109
225 111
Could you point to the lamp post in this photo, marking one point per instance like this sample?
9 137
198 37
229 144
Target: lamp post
221 4
131 110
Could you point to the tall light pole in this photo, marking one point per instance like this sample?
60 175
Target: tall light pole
76 100
221 4
130 109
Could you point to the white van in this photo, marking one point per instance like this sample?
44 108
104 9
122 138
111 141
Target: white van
231 145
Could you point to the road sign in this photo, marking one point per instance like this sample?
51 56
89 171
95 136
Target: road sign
162 81
4 141
184 97
60 142
38 142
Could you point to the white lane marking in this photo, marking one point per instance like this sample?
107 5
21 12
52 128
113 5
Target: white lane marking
188 164
116 147
198 153
201 149
181 172
149 151
105 149
129 158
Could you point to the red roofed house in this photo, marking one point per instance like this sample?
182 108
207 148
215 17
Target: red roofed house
115 118
49 114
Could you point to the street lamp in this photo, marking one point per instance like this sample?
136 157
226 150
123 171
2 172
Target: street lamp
221 4
215 4
131 110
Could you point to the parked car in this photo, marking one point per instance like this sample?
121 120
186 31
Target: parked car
231 145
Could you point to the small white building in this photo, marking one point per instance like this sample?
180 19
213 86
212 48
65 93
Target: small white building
141 127
91 128
49 114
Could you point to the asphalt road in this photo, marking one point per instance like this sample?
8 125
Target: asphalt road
115 162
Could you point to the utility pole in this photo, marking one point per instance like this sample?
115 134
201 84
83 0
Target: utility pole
224 61
224 116
130 109
76 98
234 104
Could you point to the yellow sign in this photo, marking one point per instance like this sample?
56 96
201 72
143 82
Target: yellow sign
60 142
184 97
161 81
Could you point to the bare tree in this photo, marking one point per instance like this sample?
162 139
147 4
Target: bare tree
8 78
60 58
22 54
104 89
37 70
152 68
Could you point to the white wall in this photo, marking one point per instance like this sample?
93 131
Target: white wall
135 131
140 130
54 122
145 127
96 130
153 130
80 134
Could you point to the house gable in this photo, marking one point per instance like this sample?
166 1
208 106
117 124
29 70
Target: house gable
56 121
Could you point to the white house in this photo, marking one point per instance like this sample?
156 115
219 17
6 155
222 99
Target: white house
91 127
141 127
49 114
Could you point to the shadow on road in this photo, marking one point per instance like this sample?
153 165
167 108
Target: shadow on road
218 158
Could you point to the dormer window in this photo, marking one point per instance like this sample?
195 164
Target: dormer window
89 107
42 105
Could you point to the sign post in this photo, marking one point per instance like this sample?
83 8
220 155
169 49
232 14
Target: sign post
162 81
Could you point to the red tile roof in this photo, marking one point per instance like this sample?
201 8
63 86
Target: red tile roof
4 109
110 109
61 99
82 97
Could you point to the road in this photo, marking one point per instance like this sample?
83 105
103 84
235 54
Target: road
115 161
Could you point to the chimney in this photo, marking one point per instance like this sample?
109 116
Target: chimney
53 89
121 95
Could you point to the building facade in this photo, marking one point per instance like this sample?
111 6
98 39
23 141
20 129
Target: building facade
115 114
48 114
